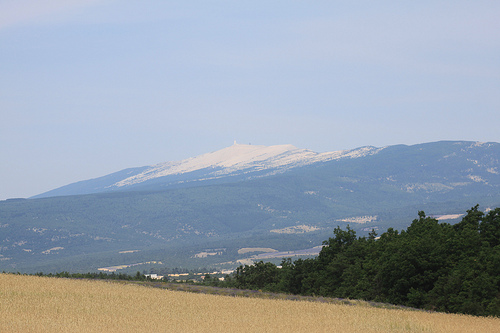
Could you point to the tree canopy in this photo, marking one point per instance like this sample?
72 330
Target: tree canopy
430 265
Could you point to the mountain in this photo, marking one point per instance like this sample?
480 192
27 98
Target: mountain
237 162
225 206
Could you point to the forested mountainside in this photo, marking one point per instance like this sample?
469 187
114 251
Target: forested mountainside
296 208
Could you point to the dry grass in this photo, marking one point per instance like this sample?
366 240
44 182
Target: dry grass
40 304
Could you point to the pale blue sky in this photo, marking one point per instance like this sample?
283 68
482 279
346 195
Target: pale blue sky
92 87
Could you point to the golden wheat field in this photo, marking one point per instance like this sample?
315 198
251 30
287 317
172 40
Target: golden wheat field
41 304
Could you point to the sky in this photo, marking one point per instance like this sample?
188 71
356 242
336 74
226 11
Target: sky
88 88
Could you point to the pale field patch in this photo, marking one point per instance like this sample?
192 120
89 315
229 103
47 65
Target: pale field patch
118 267
41 304
204 254
255 249
298 229
359 219
449 217
52 250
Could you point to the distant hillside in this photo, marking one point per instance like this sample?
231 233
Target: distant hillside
277 197
238 162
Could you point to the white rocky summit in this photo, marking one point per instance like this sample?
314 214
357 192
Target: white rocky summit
241 158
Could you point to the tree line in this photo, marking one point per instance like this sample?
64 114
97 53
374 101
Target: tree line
93 275
430 265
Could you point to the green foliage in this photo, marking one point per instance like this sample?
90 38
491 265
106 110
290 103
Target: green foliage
430 265
258 276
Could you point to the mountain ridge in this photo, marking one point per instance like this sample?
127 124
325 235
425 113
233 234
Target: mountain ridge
236 160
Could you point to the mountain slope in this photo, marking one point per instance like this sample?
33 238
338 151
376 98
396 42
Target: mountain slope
234 163
284 208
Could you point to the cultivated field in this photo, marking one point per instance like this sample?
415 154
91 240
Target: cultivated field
41 304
